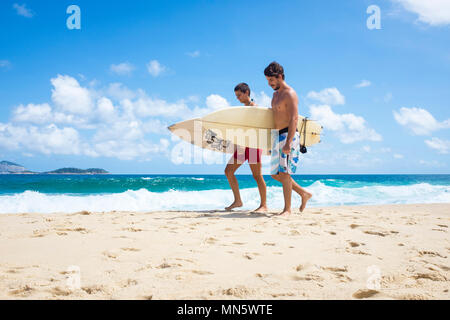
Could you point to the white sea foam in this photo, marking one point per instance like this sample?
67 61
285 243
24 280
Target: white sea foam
144 200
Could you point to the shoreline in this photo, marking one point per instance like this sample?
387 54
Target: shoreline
400 251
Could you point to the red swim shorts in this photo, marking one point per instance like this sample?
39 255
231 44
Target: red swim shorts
251 155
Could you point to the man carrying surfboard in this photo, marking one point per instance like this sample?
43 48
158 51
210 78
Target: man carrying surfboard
253 156
286 141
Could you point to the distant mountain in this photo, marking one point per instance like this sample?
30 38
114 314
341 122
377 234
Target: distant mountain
78 171
7 167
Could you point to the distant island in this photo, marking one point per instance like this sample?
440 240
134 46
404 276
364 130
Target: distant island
77 171
7 167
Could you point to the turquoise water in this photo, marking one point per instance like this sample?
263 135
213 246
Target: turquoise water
70 193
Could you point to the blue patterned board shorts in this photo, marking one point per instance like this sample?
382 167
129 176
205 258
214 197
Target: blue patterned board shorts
281 162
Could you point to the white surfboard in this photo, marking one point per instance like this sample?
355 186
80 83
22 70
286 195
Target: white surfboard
250 127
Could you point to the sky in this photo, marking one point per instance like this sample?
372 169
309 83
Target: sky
102 95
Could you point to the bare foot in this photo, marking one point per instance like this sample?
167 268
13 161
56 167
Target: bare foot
305 197
236 204
260 209
285 213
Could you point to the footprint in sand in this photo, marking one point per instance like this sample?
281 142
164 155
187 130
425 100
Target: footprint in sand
431 254
39 233
201 272
65 230
128 283
110 254
307 277
287 294
377 233
23 291
133 229
338 272
93 289
335 269
131 249
364 293
60 292
166 265
354 251
248 256
435 276
239 292
210 240
354 244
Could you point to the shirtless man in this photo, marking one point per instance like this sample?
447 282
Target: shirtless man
285 142
253 156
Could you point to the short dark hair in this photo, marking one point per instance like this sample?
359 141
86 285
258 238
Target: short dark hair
242 87
274 69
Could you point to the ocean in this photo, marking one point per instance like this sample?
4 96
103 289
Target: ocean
74 193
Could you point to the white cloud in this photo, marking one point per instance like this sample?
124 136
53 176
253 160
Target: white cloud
47 140
363 84
124 68
329 96
432 12
419 121
115 122
43 114
433 163
123 150
398 156
5 64
155 68
348 127
119 92
194 54
70 96
146 106
367 149
262 99
215 101
33 113
22 10
106 110
442 146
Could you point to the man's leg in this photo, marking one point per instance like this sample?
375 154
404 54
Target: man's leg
301 191
230 169
286 181
257 175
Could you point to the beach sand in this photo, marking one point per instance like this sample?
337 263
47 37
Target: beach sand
360 252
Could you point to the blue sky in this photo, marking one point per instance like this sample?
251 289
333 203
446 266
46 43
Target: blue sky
102 96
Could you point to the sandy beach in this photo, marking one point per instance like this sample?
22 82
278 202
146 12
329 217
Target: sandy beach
360 252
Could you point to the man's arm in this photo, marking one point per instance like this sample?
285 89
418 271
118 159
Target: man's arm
292 110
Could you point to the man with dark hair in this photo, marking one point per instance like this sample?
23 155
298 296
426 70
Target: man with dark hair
285 138
253 156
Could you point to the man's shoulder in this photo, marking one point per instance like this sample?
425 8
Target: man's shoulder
290 93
